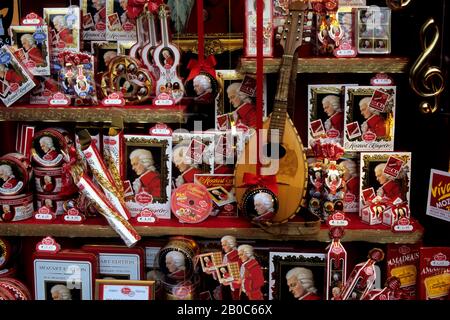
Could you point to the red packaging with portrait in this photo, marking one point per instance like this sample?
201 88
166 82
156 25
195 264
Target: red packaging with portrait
221 191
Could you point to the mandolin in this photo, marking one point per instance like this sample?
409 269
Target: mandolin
282 149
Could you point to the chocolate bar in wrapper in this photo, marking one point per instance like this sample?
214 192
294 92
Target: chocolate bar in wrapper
336 264
105 179
362 278
105 208
113 154
434 276
403 263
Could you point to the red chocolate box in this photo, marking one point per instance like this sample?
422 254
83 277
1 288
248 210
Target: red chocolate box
434 276
65 275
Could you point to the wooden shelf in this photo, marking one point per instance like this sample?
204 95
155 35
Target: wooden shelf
130 114
216 228
333 65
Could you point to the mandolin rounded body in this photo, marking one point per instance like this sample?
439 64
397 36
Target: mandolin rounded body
291 171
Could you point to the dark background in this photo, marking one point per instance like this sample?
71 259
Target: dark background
426 136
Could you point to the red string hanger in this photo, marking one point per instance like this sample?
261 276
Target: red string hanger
201 65
259 77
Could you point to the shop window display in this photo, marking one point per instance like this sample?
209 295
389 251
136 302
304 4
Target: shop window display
145 183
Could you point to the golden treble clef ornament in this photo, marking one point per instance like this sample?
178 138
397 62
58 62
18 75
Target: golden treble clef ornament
427 81
396 5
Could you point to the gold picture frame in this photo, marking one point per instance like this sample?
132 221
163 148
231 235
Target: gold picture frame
109 289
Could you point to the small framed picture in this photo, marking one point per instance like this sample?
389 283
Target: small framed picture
31 47
64 275
373 30
124 47
119 24
109 289
15 81
366 127
233 105
250 28
65 26
296 276
385 174
147 166
227 273
326 113
210 260
94 19
103 52
191 154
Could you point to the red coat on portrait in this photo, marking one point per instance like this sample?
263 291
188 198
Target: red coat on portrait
337 121
247 114
377 125
188 175
48 187
392 190
253 279
65 35
205 98
10 183
50 155
352 185
177 275
310 296
150 183
10 77
35 55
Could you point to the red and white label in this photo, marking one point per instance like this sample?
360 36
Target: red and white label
393 166
382 79
32 19
48 244
144 198
73 216
146 216
45 214
160 129
59 99
114 100
379 100
163 99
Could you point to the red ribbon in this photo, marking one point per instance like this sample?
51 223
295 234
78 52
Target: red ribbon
136 7
197 67
67 185
327 150
270 181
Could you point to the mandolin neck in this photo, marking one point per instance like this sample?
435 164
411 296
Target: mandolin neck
279 113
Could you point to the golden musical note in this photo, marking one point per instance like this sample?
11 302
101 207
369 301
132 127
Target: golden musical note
427 81
397 4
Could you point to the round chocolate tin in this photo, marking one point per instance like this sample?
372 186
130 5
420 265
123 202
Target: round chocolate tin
47 148
14 176
54 202
49 180
176 259
260 204
16 208
5 252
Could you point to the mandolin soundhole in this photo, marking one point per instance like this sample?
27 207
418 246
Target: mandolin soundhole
274 151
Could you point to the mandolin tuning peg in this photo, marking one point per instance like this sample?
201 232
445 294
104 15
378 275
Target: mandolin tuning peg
284 37
297 38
